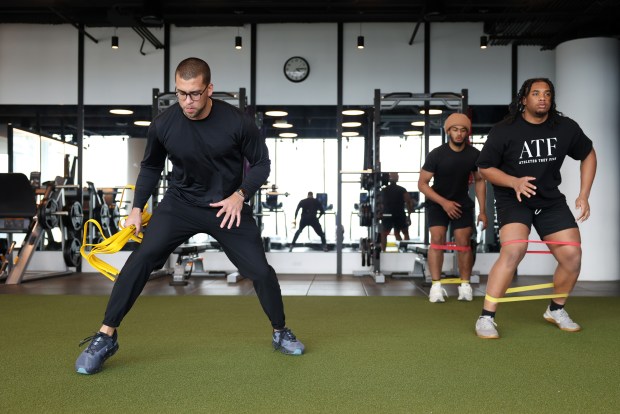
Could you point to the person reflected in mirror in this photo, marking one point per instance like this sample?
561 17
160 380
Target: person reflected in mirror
311 211
451 167
396 206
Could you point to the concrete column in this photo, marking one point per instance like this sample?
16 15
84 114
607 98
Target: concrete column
588 91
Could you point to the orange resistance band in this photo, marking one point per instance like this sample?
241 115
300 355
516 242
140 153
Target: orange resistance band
543 242
450 246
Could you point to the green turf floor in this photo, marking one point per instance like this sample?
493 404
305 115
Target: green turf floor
210 354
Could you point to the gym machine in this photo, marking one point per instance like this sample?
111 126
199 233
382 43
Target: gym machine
21 213
388 107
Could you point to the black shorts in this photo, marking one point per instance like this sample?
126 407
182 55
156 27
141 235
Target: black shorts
437 216
548 220
397 223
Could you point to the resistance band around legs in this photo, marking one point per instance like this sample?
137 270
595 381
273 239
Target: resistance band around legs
452 247
532 287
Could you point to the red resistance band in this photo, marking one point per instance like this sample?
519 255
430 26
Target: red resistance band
450 246
543 242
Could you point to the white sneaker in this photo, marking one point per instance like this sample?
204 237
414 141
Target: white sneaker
466 292
561 319
437 293
486 328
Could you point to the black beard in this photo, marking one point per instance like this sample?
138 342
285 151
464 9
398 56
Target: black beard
458 144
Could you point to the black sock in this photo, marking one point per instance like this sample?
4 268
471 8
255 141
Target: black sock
555 306
488 313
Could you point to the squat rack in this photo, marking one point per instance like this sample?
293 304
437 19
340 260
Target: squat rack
373 177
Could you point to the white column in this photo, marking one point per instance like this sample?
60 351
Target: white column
587 90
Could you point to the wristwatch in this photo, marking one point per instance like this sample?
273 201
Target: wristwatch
241 192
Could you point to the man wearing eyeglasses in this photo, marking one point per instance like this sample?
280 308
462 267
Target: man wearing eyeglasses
207 141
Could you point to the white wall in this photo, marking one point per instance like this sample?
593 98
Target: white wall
278 42
387 62
230 68
457 62
38 63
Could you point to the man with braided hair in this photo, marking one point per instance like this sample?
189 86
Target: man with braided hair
207 141
522 158
448 203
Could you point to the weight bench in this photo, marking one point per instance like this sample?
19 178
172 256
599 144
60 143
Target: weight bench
19 213
189 263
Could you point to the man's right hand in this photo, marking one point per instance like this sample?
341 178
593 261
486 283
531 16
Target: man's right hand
134 218
452 209
524 186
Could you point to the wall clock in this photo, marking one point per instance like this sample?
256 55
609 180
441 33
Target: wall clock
296 69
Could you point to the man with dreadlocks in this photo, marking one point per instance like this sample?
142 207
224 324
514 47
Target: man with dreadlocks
522 158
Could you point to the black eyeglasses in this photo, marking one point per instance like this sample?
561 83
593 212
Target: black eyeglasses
194 96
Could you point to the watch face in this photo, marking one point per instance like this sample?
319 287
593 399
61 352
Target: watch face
296 69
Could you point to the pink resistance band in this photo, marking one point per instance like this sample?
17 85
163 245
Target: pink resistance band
450 246
543 242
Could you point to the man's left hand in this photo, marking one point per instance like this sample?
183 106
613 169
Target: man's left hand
582 204
231 210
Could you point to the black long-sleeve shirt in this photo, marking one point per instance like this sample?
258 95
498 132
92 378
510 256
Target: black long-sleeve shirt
207 155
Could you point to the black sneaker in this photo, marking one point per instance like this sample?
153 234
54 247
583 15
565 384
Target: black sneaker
286 342
101 347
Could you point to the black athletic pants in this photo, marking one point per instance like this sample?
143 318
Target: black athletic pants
172 223
312 222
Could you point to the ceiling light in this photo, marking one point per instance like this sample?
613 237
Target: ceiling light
351 124
350 134
121 111
352 112
288 135
360 39
281 123
238 42
114 42
409 133
431 111
142 123
417 123
483 42
276 113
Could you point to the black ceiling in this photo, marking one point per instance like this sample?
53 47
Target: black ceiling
543 23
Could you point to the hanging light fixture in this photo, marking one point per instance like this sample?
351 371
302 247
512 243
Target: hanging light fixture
483 42
238 41
360 39
115 40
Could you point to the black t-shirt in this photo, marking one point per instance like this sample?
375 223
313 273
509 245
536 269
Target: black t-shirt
393 197
537 150
451 171
309 207
207 155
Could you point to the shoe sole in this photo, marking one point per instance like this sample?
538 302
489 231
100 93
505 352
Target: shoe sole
105 358
466 299
487 336
548 319
285 352
437 301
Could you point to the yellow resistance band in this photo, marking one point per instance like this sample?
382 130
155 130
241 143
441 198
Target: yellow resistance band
525 289
110 244
451 280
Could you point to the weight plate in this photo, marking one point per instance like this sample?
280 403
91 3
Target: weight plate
47 214
71 252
